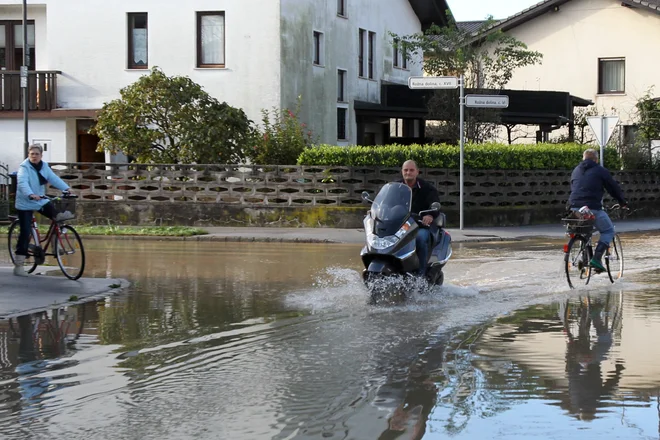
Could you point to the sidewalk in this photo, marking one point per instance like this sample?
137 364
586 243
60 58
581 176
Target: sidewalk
37 293
355 236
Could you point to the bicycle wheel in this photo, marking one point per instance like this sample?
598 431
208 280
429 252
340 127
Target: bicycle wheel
614 259
12 238
576 262
70 252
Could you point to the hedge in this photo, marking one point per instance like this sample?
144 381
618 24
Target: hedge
477 156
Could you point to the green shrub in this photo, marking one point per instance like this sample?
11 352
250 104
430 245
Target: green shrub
477 156
282 138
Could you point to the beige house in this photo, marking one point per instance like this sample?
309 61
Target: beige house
605 51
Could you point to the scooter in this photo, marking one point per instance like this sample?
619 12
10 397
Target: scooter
391 229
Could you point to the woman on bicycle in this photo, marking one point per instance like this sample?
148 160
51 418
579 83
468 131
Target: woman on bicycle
588 182
33 174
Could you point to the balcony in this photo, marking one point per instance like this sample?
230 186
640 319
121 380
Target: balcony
42 88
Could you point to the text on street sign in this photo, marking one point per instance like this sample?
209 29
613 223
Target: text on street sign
487 101
432 82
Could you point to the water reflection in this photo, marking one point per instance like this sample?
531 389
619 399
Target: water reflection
269 341
33 349
591 328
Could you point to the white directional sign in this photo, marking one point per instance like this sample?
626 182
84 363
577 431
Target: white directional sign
433 82
603 127
487 101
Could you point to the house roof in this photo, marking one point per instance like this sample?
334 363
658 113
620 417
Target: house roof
431 12
526 107
549 5
470 26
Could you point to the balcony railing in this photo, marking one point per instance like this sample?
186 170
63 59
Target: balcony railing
42 89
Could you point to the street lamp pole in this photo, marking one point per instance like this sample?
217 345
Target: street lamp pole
24 80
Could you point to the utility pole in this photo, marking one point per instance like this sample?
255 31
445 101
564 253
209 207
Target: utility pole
24 80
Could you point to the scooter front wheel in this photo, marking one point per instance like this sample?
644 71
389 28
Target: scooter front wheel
435 276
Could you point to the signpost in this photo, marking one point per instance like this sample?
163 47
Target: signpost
477 101
603 127
24 79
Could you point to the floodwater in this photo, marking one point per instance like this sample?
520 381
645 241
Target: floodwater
279 341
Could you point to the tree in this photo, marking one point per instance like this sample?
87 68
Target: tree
648 121
487 59
161 119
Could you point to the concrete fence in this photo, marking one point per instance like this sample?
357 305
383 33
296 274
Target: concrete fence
315 195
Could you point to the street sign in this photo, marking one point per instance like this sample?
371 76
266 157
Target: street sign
603 127
433 82
487 101
24 76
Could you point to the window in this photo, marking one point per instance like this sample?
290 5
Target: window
611 75
341 8
396 128
366 53
137 41
396 55
629 134
361 34
399 58
210 39
11 45
318 49
341 123
372 45
341 85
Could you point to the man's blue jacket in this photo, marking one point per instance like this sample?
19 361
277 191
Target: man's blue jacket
588 181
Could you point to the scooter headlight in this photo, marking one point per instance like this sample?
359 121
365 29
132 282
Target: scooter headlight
377 242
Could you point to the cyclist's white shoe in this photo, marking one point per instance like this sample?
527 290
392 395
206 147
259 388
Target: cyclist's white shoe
19 270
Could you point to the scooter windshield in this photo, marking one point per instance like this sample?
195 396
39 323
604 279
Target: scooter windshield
392 205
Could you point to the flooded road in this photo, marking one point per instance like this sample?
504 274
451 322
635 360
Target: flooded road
278 341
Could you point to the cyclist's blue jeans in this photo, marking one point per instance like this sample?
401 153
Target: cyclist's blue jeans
25 223
422 244
605 226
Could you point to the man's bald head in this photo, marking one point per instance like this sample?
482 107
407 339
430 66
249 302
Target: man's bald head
410 171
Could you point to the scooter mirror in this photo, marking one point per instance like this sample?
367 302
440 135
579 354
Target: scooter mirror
435 206
365 196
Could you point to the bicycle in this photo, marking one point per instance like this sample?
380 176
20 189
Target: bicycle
67 245
579 251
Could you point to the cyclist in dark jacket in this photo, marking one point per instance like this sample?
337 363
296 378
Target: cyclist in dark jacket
423 195
588 182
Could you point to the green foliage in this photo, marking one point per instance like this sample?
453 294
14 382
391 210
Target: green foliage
161 119
282 138
477 156
648 114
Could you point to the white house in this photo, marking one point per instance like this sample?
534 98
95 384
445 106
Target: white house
601 50
338 55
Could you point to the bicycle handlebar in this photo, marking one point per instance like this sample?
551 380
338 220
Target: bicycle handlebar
65 195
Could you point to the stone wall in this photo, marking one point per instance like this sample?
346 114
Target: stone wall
316 196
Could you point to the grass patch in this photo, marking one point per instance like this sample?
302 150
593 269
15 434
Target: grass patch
156 231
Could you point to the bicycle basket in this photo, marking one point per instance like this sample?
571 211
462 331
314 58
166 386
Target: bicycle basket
578 225
65 209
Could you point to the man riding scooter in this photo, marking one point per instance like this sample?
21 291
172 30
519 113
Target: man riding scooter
423 195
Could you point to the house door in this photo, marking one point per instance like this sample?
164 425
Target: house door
46 145
87 143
